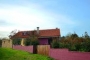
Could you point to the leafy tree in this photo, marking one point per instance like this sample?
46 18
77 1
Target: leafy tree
34 41
27 41
16 41
55 44
86 35
76 43
74 35
34 38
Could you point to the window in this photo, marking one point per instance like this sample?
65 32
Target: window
24 33
4 41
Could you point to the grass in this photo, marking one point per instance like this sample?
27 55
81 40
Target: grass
11 54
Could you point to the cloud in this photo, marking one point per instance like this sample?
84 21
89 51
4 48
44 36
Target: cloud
29 16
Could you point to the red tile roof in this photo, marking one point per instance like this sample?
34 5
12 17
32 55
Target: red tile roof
50 32
42 33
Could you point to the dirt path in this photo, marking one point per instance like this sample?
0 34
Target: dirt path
64 54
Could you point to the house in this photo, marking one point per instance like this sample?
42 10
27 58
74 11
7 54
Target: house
45 37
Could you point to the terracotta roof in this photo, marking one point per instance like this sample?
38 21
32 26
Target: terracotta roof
50 32
42 33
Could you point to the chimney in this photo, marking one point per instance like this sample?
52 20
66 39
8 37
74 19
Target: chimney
56 28
37 30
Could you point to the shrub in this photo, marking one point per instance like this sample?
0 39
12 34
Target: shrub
63 45
88 45
17 41
28 42
55 44
34 42
78 47
72 48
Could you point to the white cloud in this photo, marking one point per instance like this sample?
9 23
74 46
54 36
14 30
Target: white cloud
29 17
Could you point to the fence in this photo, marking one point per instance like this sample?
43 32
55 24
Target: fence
40 49
24 48
43 49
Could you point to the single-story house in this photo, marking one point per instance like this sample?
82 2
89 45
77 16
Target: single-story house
45 37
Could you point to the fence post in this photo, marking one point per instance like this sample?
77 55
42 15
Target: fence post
34 49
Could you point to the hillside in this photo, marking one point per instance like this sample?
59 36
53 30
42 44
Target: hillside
11 54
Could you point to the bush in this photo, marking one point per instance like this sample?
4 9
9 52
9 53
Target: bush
61 45
31 42
27 42
72 48
55 44
78 46
34 42
86 46
17 41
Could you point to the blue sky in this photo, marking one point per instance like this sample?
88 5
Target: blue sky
68 15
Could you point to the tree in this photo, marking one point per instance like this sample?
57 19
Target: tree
86 36
16 41
27 41
55 44
34 38
12 33
74 35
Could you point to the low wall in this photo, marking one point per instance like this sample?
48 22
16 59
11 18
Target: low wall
40 49
24 48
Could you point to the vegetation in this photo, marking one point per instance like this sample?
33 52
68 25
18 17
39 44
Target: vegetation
75 43
55 44
71 41
16 41
10 54
32 40
27 41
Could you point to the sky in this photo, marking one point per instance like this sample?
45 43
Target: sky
68 15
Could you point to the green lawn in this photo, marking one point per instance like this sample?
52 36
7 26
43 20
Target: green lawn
11 54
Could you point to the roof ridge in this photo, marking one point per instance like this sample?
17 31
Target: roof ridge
50 29
40 30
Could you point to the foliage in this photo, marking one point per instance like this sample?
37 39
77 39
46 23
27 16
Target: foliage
72 48
31 41
34 41
27 41
10 54
34 38
55 44
75 43
16 41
